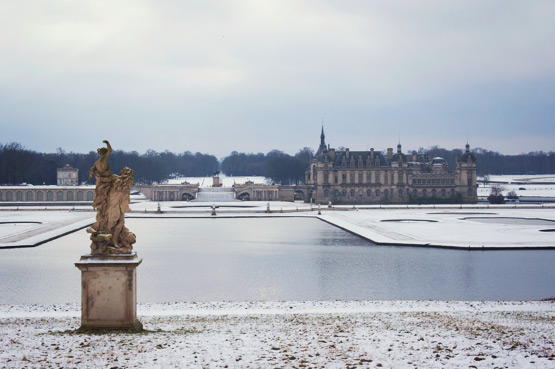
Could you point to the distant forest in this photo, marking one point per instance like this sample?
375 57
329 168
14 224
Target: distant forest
19 165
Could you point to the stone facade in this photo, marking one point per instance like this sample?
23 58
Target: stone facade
46 193
184 192
367 177
67 176
260 192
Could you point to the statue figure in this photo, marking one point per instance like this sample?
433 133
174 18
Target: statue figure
109 235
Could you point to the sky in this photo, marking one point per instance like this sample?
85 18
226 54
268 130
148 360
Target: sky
252 76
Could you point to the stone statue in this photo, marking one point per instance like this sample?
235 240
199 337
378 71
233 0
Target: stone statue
109 235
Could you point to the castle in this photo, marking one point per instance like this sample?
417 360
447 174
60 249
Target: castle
369 177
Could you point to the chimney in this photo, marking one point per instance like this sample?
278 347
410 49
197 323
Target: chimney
414 157
372 153
347 153
389 153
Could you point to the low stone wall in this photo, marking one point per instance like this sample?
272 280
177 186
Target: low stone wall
39 194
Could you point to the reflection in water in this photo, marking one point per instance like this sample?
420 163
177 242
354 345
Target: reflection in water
278 259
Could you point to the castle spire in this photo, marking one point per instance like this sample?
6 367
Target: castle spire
323 148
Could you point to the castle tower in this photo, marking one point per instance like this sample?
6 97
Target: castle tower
323 148
466 176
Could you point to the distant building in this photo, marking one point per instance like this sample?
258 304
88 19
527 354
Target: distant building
366 177
68 176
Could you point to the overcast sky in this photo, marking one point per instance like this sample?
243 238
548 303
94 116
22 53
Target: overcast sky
251 76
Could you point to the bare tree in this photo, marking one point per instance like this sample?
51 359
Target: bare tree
496 194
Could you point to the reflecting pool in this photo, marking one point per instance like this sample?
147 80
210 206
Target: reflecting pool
278 259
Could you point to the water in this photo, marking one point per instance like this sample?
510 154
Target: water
278 259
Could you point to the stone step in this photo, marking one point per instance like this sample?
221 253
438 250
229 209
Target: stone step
207 195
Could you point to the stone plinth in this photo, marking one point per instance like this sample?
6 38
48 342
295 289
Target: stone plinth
109 291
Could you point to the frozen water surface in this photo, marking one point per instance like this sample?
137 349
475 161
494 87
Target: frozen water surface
278 259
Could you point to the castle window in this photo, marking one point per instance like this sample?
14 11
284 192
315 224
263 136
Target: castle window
352 178
434 192
326 193
424 193
386 178
378 193
452 193
343 178
326 177
360 193
443 192
352 193
336 179
414 193
29 196
469 192
400 193
336 193
378 179
344 193
368 177
386 194
9 196
369 193
360 177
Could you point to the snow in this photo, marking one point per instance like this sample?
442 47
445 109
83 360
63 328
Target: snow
439 225
448 226
541 185
225 180
48 224
325 334
526 178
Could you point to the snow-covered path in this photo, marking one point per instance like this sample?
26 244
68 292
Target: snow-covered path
397 334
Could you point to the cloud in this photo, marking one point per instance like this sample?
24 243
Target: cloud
251 75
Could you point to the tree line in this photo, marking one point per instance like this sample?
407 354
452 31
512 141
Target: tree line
19 165
277 165
492 162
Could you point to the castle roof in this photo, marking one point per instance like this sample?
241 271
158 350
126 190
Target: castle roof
355 157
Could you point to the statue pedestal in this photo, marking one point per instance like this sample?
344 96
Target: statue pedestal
109 291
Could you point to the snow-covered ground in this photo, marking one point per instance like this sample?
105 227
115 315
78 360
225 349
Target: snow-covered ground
523 185
225 180
523 178
509 226
352 334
